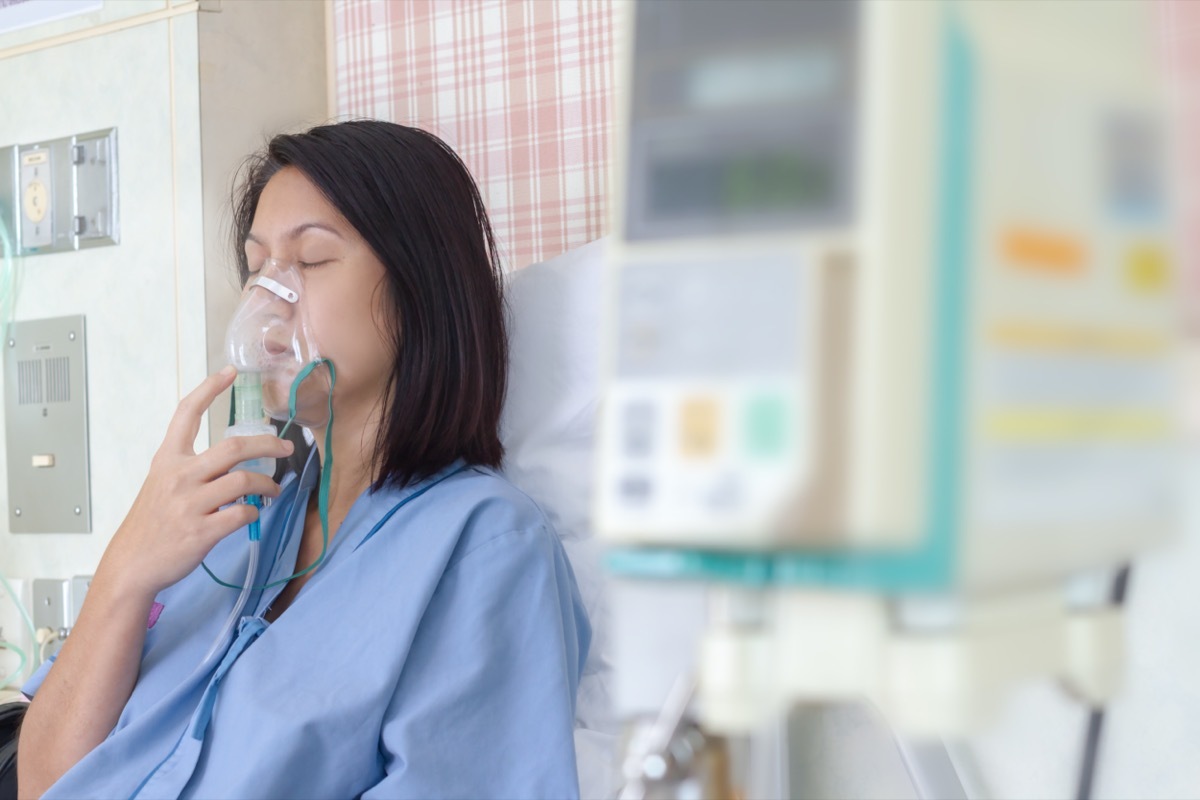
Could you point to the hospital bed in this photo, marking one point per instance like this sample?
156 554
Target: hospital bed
548 429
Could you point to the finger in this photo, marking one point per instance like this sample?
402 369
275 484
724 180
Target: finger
224 456
229 488
224 522
185 425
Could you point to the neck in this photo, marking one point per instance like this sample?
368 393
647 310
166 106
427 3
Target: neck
353 446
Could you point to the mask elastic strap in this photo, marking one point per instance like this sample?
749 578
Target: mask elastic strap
326 471
326 468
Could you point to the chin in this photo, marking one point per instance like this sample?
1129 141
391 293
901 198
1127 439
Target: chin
275 397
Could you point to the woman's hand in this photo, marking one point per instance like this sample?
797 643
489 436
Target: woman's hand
177 517
175 520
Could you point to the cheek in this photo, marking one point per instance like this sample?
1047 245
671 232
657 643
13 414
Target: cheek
384 321
356 334
333 317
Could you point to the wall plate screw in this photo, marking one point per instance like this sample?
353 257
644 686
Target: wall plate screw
17 511
71 336
78 511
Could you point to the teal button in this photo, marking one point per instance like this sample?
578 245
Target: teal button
766 426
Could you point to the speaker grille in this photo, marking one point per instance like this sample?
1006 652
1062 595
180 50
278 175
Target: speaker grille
58 379
29 381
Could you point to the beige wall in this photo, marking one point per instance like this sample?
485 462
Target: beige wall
143 298
192 87
258 77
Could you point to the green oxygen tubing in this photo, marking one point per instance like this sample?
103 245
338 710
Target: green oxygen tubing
247 411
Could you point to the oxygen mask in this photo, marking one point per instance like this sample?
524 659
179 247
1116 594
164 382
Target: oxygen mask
271 338
282 375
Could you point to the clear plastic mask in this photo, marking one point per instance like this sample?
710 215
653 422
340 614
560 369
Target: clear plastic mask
270 334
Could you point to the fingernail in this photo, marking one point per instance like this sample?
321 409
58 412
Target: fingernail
288 446
228 370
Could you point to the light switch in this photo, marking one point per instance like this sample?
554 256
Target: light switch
43 460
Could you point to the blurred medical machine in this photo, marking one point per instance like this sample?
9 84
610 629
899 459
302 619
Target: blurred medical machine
890 341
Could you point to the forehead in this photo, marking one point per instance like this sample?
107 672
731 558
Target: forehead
290 200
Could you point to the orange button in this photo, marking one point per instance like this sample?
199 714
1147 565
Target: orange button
1043 251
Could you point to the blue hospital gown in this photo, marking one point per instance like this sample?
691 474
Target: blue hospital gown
438 657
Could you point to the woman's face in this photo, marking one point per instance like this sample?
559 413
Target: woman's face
343 293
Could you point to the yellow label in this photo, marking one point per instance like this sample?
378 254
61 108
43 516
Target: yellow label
1078 338
1147 268
699 428
35 157
1033 425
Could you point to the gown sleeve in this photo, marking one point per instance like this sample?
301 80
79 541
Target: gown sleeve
35 681
485 704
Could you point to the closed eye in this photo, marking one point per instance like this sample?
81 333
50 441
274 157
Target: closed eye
310 264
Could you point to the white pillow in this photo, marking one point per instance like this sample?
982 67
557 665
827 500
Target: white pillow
548 429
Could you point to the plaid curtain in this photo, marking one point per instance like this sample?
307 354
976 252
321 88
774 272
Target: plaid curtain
521 89
1180 29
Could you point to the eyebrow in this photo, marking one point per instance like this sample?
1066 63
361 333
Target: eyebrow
295 232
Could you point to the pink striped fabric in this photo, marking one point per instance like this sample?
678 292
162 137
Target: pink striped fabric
1181 39
521 89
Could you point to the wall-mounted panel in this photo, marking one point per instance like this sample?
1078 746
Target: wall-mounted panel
66 193
46 426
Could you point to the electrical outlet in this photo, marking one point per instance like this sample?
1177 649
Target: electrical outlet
51 612
51 603
79 588
15 631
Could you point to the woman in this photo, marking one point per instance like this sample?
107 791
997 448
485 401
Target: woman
436 650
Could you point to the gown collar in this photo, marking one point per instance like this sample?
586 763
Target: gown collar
369 512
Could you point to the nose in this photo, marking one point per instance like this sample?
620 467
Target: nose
273 278
272 267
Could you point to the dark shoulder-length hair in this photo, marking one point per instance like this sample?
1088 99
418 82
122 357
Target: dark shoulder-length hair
413 201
